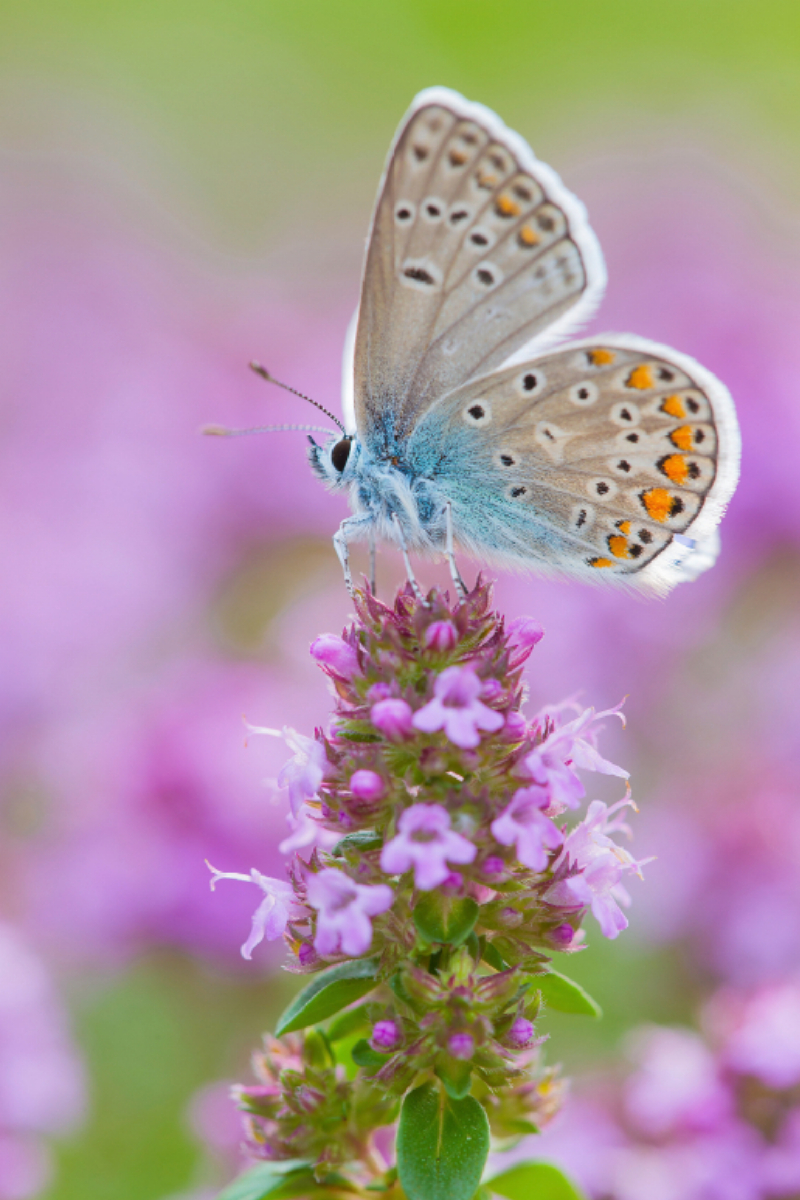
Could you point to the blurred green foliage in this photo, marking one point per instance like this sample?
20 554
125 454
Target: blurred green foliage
252 104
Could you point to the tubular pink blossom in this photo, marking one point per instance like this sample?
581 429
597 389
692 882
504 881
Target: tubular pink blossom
272 914
457 709
426 842
523 824
344 909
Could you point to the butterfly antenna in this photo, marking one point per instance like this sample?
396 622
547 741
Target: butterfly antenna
223 431
264 373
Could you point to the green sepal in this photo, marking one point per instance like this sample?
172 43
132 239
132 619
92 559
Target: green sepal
362 839
473 944
456 1075
364 1056
442 1145
565 995
442 918
349 1022
327 993
493 957
317 1050
273 1181
533 1179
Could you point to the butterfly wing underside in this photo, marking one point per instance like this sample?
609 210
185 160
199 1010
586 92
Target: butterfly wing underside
475 250
610 457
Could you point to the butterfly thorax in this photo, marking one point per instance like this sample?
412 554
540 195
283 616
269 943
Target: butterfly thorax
385 485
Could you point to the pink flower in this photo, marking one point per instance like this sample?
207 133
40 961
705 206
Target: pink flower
425 842
386 1035
305 770
523 824
457 709
305 833
441 636
525 632
602 864
344 909
367 785
763 1036
461 1045
677 1087
520 1034
552 764
393 717
335 655
269 919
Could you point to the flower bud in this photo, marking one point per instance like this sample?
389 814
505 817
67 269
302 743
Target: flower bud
561 936
461 1045
492 689
515 727
440 636
379 691
392 718
493 865
520 1034
367 785
306 955
335 655
386 1035
525 633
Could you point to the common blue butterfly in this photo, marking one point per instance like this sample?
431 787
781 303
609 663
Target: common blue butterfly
610 458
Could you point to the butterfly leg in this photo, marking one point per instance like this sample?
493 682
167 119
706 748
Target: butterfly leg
412 579
350 528
451 558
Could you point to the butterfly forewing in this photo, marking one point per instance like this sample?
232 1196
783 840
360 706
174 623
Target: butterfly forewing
475 249
602 452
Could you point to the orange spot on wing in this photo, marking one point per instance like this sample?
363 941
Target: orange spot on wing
675 468
674 407
641 377
506 207
624 526
658 503
486 179
528 236
601 358
600 562
457 158
682 437
618 546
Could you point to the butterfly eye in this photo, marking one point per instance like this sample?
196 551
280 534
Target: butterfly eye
340 454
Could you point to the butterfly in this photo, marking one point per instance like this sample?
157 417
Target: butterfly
606 459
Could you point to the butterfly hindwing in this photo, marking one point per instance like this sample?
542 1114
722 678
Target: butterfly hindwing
611 456
475 249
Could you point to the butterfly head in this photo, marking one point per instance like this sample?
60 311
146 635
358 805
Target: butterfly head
335 462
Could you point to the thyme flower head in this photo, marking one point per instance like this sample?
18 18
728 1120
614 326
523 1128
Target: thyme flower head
433 873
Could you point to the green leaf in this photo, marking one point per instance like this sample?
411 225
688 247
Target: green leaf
349 1022
362 839
565 995
442 1145
441 918
456 1075
533 1181
271 1180
327 993
363 1054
